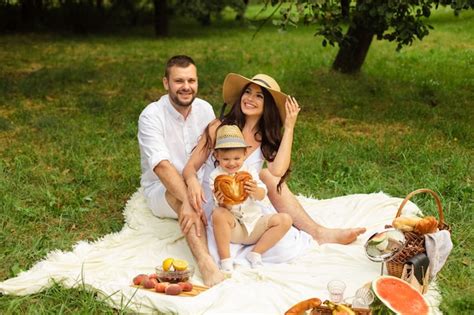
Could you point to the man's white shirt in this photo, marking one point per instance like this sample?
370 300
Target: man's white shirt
164 134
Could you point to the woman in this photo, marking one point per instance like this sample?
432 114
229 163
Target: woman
260 109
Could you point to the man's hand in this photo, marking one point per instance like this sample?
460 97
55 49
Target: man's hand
188 217
195 194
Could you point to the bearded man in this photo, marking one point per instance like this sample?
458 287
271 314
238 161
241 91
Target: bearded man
168 130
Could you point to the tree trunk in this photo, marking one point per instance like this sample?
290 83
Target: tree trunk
352 52
31 11
240 14
161 18
345 8
205 19
99 4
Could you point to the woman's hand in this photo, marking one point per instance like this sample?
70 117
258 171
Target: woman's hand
195 194
292 109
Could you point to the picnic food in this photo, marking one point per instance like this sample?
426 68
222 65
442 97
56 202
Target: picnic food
173 289
174 276
186 286
180 264
175 264
418 225
150 283
301 307
405 224
426 225
161 287
232 187
399 296
380 240
339 309
139 279
174 270
167 263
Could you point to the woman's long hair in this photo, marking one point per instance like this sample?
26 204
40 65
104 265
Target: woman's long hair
269 132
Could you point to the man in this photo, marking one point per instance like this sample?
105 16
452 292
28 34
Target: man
168 130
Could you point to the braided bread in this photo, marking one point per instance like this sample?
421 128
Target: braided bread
232 187
426 225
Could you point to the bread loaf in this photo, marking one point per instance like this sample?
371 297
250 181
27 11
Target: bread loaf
405 224
232 187
426 225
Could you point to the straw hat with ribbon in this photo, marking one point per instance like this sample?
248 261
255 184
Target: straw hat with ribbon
234 84
229 136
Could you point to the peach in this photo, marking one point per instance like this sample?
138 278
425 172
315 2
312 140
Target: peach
173 289
153 276
186 286
139 279
161 287
150 283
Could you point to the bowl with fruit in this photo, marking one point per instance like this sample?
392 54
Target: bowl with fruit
174 270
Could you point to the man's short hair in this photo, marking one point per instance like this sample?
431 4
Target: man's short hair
182 61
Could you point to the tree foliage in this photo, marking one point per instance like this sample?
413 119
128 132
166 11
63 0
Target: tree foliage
353 24
83 16
202 10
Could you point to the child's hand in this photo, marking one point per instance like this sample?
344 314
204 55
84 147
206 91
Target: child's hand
251 187
220 199
257 193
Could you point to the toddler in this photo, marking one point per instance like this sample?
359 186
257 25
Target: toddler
242 223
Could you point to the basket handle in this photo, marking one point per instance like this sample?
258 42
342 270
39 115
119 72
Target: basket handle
424 190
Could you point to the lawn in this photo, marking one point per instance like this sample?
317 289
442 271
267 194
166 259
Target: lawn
68 121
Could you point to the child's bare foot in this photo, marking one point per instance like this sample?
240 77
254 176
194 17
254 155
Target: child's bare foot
339 236
211 275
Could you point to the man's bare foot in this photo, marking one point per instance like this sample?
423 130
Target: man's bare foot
211 275
339 236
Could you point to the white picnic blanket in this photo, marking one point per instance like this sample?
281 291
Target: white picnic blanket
109 264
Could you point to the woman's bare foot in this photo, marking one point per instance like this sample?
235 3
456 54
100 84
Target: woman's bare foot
340 236
211 275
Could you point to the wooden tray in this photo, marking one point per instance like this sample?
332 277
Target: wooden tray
197 289
324 310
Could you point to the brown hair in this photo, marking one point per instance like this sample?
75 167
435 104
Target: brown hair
181 61
269 132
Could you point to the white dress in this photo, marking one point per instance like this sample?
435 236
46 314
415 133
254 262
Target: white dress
293 244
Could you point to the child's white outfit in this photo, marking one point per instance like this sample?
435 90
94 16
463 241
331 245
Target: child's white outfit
250 222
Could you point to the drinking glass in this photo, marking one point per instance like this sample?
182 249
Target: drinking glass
363 298
336 290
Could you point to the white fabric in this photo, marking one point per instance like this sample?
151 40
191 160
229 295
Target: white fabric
290 246
164 134
438 247
249 211
108 265
158 204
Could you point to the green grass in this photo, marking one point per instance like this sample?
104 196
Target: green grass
68 121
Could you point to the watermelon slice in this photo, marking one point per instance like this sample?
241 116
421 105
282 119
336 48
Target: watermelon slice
399 296
378 238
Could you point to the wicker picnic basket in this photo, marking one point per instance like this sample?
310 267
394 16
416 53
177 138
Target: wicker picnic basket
415 243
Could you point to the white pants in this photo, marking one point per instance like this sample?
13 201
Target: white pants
157 202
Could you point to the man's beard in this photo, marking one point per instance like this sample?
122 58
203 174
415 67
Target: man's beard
177 102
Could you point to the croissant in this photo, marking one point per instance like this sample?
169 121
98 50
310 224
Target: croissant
232 187
405 224
303 306
426 225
